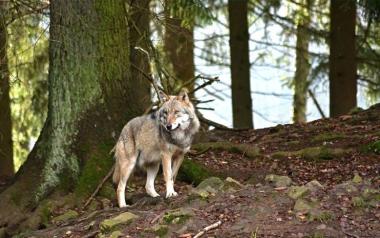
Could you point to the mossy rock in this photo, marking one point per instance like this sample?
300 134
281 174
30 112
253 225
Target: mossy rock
358 202
70 214
357 179
317 153
314 186
328 136
278 181
178 216
159 230
231 184
302 205
193 172
116 234
249 151
296 192
112 224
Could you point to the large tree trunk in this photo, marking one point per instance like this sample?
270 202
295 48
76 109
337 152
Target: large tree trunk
240 65
343 80
90 100
179 48
139 35
302 64
6 145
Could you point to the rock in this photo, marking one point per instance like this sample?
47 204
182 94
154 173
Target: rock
178 216
302 206
357 178
116 234
296 192
209 186
232 184
70 214
278 181
314 186
159 230
112 223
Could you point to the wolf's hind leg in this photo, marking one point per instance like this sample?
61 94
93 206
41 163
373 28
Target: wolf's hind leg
151 173
126 169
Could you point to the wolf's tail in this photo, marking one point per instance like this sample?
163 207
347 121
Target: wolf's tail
116 171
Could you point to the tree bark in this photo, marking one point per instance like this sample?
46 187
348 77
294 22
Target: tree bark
240 65
301 83
343 65
139 15
90 100
6 144
179 49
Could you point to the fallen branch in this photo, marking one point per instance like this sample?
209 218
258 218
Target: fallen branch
209 82
99 187
218 125
207 228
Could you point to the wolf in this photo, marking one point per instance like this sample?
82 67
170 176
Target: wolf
162 136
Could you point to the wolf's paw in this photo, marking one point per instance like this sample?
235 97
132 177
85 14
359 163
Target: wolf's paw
153 194
123 205
170 194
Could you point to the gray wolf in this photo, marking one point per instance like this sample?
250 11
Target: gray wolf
162 136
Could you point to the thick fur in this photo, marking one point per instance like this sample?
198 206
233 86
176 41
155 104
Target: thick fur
161 137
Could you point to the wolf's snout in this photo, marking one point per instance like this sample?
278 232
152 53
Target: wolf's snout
169 126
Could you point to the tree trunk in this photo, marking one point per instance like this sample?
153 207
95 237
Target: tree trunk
90 100
139 16
6 145
301 83
343 80
179 48
240 65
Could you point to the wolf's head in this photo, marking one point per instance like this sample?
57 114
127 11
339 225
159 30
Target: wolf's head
176 112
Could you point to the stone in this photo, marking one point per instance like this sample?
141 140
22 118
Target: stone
357 179
116 234
296 192
278 181
159 230
209 186
112 223
314 186
302 206
178 216
232 184
70 214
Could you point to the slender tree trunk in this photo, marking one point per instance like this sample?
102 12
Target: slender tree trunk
302 64
90 100
139 16
179 48
343 80
6 145
240 65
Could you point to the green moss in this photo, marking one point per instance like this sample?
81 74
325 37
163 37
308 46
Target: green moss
97 166
159 230
373 147
312 153
358 202
328 136
193 172
177 216
249 151
108 191
321 216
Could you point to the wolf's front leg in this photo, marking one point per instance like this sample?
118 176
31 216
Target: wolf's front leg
151 173
177 161
168 175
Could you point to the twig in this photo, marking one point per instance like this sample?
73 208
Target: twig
218 125
316 103
209 82
207 228
99 187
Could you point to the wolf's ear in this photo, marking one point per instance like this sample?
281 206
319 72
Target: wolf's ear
182 96
162 96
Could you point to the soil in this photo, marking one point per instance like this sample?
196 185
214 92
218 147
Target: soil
259 209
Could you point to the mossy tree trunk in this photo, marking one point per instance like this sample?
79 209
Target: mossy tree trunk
90 100
179 49
139 17
240 65
301 83
343 65
6 145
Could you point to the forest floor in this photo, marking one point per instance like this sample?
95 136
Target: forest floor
319 179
